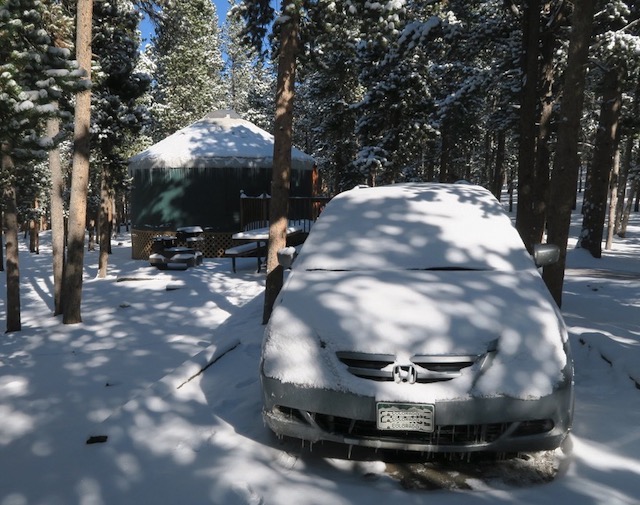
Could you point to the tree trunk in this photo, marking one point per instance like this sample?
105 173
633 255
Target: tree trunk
613 199
488 170
57 214
623 179
498 170
510 190
543 152
72 286
283 133
634 191
91 234
34 236
445 152
629 195
564 178
607 137
528 118
10 225
104 223
626 174
121 213
34 231
1 244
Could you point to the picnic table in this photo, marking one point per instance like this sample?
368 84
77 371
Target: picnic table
253 243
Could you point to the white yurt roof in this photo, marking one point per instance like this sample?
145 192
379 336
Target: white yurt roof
221 139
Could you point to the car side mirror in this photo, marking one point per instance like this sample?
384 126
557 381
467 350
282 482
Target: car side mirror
545 254
286 255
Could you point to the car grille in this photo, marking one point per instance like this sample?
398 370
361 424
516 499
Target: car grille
423 368
463 435
452 435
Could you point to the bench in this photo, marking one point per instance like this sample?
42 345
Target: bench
249 250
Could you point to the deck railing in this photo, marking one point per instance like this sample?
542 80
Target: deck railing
303 211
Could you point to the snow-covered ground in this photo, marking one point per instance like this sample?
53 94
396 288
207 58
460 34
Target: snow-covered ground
132 372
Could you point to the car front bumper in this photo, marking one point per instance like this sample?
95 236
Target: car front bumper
497 424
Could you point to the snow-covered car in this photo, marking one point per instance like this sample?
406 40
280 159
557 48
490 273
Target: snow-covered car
413 318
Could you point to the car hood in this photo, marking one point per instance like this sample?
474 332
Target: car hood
508 315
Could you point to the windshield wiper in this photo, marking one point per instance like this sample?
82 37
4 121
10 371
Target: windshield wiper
327 270
450 269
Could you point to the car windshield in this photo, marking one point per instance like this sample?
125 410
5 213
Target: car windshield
414 227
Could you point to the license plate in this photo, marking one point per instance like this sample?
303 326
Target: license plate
405 417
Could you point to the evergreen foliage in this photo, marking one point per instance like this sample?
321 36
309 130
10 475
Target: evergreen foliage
34 72
326 118
414 86
186 51
616 50
250 86
117 114
395 90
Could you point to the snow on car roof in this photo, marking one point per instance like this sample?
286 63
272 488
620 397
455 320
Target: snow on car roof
414 226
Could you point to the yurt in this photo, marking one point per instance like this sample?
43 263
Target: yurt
196 176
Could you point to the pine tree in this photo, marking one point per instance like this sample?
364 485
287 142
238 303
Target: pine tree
74 267
325 118
239 61
381 111
566 162
616 48
257 15
186 50
260 100
33 74
117 113
282 143
250 86
434 76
